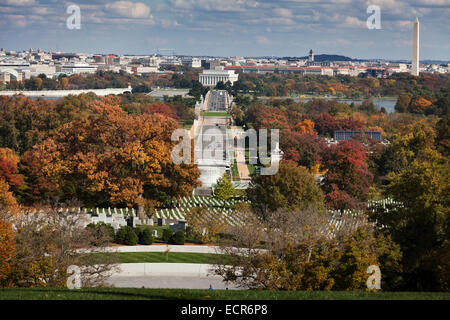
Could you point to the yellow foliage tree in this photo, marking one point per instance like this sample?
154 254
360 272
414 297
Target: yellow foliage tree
306 126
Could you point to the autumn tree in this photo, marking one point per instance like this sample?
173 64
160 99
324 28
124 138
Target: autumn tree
25 122
443 135
159 108
303 250
358 250
292 187
7 199
111 157
48 242
204 225
305 149
410 142
347 180
9 169
402 103
64 82
306 126
419 221
7 247
325 125
419 105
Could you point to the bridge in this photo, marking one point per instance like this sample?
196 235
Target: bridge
63 93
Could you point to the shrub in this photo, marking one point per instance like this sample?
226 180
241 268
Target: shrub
178 238
167 235
126 235
145 236
102 229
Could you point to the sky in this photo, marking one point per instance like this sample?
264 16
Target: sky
229 27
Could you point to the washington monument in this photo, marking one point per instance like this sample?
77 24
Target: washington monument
415 54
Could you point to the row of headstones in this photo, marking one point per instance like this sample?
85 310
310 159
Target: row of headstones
109 211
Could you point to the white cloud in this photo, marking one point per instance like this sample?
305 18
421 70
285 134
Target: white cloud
283 12
18 2
432 2
129 9
262 40
215 5
353 22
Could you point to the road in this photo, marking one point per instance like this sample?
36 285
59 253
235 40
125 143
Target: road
173 282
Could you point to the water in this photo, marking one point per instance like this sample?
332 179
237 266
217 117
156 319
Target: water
44 97
389 105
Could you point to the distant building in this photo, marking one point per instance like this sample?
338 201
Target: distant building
6 75
311 56
210 78
68 56
346 135
192 62
77 68
210 64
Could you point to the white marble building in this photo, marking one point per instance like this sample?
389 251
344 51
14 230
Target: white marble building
210 78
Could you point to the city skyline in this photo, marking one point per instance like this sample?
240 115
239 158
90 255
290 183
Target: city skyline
238 28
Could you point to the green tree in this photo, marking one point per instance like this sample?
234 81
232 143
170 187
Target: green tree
420 222
292 188
224 189
126 235
402 103
145 236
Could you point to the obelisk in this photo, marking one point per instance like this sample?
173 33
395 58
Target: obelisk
415 54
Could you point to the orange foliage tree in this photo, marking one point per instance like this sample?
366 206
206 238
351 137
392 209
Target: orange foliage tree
306 126
9 168
419 105
7 247
7 199
110 158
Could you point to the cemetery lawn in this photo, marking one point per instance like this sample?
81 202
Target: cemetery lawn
215 114
174 257
188 294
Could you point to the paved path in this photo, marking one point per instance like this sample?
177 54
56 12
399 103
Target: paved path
174 282
244 173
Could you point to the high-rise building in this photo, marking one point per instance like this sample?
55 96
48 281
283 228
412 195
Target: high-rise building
415 54
311 56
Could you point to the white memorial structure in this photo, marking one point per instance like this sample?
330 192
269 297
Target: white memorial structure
415 54
210 78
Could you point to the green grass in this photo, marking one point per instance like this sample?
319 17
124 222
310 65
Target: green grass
187 124
188 294
173 257
235 171
215 114
251 168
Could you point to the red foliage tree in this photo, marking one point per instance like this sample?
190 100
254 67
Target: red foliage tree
305 149
350 123
159 108
9 168
271 118
348 179
325 125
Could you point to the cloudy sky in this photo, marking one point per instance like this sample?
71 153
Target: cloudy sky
229 27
